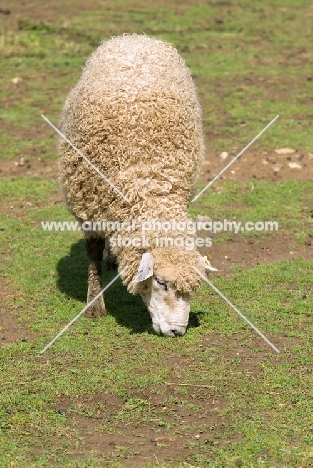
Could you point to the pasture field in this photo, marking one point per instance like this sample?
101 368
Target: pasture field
110 393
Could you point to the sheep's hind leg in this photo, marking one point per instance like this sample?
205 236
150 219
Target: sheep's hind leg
95 247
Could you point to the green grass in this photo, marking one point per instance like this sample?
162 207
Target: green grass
250 63
217 397
289 203
266 419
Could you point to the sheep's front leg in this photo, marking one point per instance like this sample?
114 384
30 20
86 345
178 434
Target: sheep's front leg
95 247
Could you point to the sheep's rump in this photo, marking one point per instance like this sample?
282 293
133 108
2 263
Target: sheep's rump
135 115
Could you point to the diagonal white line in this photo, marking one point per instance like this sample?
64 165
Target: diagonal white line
80 313
235 159
237 310
84 157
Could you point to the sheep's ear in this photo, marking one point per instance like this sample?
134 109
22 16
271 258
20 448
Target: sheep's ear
145 269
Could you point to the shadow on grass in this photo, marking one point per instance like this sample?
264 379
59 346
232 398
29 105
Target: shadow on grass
128 310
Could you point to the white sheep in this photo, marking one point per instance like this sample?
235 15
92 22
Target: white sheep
135 115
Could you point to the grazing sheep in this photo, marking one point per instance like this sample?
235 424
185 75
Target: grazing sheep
135 115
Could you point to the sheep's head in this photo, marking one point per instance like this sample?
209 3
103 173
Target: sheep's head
168 301
168 308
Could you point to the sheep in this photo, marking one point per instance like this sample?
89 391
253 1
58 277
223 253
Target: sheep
135 115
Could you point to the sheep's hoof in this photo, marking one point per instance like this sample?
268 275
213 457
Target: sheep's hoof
97 308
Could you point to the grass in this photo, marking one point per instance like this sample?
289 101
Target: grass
290 205
277 298
241 85
109 392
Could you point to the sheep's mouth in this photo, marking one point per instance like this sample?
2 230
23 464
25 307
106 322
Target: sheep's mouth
171 331
174 333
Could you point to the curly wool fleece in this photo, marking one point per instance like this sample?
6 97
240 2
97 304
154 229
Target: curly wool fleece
135 115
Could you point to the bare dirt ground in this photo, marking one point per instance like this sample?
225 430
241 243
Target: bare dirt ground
260 165
28 167
145 439
10 330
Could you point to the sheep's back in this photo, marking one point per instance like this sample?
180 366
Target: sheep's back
134 114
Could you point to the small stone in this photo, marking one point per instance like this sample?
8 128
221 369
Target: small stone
294 165
129 406
308 242
16 80
224 155
203 219
277 167
239 462
61 410
285 151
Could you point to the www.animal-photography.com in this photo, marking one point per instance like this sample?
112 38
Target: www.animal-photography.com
156 234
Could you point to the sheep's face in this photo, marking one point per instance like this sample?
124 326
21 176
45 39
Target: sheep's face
168 308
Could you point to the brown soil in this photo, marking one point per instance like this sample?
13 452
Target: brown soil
21 167
150 441
248 252
11 331
259 165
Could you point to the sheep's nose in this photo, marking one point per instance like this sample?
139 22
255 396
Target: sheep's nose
177 332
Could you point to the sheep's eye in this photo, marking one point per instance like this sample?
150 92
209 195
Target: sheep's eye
161 283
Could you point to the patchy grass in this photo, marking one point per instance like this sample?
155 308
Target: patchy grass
288 202
110 392
171 380
241 85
